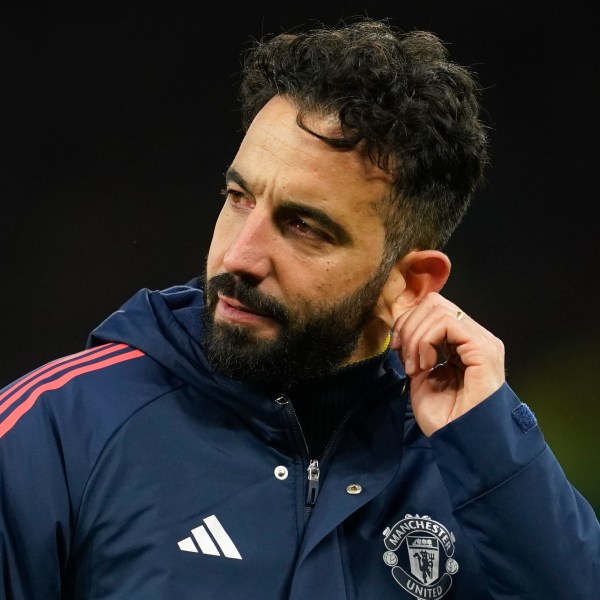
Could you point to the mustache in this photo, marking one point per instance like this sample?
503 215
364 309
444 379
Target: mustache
246 293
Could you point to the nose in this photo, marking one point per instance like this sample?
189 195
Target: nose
249 253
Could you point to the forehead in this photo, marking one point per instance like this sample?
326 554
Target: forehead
281 161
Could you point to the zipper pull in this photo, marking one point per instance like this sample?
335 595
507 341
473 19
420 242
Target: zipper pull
313 482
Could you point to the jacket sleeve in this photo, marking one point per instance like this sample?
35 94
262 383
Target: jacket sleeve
35 514
536 536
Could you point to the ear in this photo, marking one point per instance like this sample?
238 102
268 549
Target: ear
412 277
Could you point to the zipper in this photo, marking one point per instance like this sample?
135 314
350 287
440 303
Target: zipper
313 482
313 469
315 466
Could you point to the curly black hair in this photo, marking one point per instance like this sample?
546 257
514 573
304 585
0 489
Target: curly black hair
416 112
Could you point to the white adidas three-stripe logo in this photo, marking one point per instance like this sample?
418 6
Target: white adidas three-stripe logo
208 544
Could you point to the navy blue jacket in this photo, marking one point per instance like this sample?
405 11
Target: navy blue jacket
133 471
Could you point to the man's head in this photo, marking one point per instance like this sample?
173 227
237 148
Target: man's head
353 170
399 94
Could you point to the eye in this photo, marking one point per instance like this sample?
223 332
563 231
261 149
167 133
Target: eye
303 229
237 198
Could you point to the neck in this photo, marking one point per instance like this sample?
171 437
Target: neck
320 404
373 340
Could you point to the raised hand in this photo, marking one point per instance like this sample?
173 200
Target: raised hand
453 362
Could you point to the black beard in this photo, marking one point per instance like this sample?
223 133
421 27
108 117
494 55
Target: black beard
307 347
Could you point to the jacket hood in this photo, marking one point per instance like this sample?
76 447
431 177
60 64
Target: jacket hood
165 325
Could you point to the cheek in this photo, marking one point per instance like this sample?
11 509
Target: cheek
332 281
218 245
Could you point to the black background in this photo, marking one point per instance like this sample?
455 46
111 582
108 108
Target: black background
118 123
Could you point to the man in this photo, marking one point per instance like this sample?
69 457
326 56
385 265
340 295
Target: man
318 422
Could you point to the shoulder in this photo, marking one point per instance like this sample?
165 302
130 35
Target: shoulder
101 386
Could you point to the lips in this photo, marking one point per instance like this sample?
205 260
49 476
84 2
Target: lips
237 301
240 306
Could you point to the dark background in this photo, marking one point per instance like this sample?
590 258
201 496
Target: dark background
119 122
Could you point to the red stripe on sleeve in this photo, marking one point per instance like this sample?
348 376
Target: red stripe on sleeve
16 414
43 372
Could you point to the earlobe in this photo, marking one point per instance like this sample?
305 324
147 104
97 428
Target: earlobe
412 277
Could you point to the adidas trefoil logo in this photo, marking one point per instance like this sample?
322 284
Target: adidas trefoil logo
208 538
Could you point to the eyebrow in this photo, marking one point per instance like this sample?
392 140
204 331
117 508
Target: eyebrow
302 210
234 176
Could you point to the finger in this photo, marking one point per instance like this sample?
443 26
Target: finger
416 324
439 344
397 326
434 339
406 321
429 344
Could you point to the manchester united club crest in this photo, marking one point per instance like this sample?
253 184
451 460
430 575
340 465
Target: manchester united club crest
419 551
